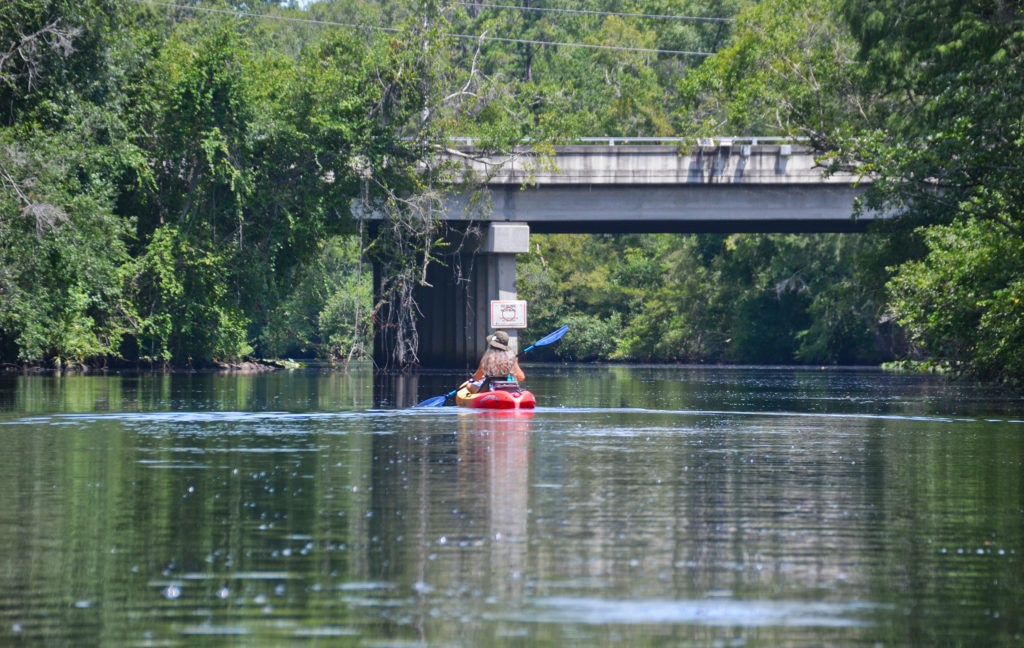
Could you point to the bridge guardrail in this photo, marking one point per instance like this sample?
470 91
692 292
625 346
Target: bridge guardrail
700 141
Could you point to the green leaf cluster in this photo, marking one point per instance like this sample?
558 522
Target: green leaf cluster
923 98
62 252
946 142
961 302
788 69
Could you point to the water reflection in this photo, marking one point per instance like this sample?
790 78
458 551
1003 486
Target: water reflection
398 390
721 507
449 519
302 391
500 442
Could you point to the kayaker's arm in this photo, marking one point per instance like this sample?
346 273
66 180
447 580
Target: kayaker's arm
475 381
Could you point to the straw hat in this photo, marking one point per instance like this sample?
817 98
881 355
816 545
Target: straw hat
498 340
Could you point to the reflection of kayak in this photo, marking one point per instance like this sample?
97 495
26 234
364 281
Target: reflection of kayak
497 416
498 399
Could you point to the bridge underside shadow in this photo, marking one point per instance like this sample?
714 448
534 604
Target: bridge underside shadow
736 227
686 209
453 309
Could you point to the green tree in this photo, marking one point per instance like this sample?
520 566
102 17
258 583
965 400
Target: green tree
946 145
327 313
62 250
53 54
258 158
777 298
788 69
195 107
962 302
676 313
945 139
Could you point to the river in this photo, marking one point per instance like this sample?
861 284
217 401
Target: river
637 506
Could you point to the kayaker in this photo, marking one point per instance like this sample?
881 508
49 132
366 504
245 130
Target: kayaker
498 363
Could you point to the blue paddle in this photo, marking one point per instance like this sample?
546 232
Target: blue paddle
554 336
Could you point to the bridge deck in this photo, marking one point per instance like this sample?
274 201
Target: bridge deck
774 188
657 164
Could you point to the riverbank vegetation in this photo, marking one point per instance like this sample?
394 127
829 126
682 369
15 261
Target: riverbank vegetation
178 184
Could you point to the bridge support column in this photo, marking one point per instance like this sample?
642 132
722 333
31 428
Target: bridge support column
455 311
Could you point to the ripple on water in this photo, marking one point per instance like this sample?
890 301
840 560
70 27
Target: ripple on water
709 612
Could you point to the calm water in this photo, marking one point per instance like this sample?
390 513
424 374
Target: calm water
635 507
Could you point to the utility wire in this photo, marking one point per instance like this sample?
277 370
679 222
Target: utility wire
584 45
592 13
310 21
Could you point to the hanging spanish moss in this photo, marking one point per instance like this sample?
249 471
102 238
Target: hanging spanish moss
409 235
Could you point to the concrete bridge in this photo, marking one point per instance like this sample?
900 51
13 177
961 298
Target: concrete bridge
620 186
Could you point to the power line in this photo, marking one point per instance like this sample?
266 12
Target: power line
644 50
327 23
592 13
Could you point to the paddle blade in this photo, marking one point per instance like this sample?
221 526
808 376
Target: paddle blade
553 336
436 401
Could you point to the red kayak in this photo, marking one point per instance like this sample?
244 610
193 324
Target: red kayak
497 399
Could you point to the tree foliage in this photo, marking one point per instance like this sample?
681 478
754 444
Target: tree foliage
61 252
224 155
179 185
750 298
946 145
788 70
62 245
961 302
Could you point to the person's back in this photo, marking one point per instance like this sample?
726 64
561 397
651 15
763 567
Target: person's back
498 363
